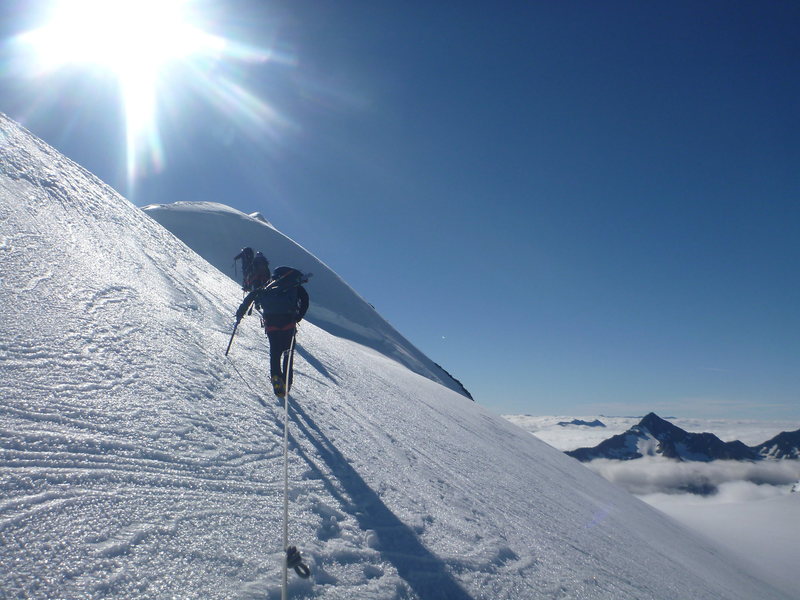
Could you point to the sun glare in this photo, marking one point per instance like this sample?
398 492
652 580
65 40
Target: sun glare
120 35
134 40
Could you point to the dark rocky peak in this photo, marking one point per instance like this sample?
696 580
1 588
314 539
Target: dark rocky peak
783 445
673 442
656 426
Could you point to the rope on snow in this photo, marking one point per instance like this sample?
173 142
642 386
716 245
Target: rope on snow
292 558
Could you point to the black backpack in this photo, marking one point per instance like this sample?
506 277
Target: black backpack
279 296
259 272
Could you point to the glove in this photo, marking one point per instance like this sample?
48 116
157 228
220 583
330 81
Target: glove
240 313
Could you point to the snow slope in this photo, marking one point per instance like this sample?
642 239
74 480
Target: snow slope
218 232
137 462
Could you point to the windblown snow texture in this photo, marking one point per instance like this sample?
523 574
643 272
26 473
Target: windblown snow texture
137 462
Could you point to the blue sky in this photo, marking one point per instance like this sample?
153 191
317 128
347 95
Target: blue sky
574 207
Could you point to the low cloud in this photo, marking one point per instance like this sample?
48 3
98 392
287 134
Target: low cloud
758 523
731 492
657 475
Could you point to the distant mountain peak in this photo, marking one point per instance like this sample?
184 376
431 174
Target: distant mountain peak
582 423
654 436
654 424
784 445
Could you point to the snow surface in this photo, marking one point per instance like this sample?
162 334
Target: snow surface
138 462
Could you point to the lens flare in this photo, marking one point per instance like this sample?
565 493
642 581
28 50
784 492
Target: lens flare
135 40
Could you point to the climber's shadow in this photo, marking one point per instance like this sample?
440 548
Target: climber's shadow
398 545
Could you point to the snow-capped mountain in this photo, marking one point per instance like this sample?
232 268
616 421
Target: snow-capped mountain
136 461
654 436
218 232
783 445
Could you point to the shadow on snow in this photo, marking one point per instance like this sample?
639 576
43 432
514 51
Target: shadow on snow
397 544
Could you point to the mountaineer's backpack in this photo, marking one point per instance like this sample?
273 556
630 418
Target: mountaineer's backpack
279 296
259 272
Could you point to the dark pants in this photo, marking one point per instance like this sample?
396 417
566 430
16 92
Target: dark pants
280 331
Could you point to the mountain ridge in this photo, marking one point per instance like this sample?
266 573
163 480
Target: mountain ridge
656 436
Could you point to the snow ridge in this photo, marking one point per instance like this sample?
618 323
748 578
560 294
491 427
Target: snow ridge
137 462
218 232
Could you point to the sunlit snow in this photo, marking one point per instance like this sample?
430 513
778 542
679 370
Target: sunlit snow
138 462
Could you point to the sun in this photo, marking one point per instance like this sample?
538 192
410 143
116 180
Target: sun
127 36
135 40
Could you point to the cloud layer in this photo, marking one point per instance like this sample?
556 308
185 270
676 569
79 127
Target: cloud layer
758 523
657 475
748 508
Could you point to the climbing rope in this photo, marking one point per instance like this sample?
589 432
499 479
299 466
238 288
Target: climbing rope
242 377
292 557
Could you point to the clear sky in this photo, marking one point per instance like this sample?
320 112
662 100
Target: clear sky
574 207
